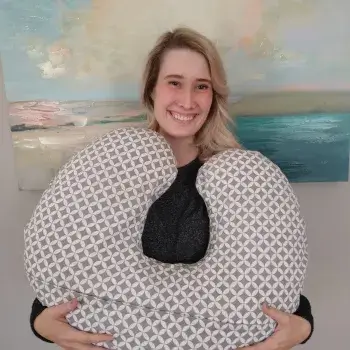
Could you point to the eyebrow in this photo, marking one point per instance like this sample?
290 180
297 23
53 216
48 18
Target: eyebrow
179 76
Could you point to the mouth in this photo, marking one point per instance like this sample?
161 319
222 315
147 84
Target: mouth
182 117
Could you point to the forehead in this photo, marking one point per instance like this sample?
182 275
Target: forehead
187 63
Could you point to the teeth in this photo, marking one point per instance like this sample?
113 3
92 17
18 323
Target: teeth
182 117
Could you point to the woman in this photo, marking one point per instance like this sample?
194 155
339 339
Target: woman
185 95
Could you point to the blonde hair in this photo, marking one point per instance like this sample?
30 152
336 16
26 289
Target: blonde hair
214 136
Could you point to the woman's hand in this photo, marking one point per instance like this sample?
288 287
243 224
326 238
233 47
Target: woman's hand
52 325
291 330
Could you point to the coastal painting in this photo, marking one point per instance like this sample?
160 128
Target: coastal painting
72 70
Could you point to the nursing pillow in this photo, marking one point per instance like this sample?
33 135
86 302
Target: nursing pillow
84 241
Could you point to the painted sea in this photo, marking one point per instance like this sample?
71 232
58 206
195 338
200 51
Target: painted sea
308 147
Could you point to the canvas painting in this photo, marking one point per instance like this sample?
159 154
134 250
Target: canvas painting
72 72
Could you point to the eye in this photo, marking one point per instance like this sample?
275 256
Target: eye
203 87
174 83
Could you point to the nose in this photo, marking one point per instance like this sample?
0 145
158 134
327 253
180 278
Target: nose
186 98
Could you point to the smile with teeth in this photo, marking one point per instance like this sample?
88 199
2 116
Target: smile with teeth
183 117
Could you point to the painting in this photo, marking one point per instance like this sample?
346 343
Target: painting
72 72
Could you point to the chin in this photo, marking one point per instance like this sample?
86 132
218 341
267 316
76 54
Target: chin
178 134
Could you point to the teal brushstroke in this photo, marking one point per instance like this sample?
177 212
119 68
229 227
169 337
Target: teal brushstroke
307 148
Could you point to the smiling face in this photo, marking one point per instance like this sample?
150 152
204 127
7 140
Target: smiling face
183 93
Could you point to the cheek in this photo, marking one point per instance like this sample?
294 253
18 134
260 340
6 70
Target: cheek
206 101
162 97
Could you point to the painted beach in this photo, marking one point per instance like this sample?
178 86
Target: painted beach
310 143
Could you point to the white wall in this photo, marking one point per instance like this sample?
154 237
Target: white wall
326 208
15 209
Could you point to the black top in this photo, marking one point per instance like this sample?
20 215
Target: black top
177 225
177 231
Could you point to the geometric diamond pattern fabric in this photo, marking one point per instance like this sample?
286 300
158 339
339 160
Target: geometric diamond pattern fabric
84 241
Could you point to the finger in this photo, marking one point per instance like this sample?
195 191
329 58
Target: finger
277 315
79 346
71 335
90 338
62 310
94 347
268 344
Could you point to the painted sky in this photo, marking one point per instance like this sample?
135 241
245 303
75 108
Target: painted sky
94 49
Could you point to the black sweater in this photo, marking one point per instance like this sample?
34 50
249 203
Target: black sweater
177 231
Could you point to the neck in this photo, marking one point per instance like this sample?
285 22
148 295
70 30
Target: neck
183 149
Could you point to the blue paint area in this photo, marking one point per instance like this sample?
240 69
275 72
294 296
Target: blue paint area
21 23
307 148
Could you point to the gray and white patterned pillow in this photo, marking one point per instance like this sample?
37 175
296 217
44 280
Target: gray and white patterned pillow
84 240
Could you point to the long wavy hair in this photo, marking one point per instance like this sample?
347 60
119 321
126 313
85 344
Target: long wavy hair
215 135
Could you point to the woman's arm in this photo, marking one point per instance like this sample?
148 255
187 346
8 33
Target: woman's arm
50 325
304 310
37 309
292 329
